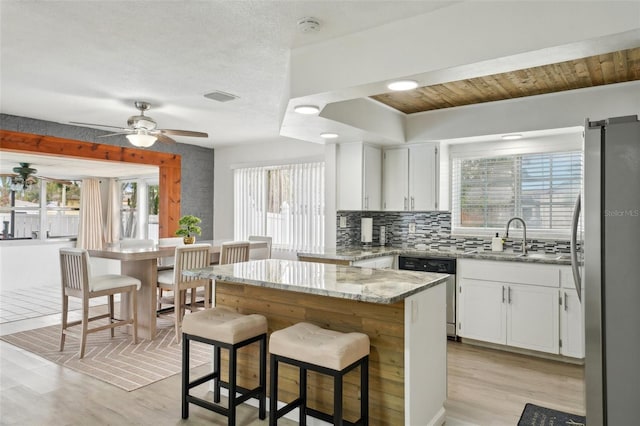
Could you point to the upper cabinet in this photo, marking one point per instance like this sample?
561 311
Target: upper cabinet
410 180
359 176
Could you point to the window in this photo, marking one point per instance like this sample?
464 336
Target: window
539 187
285 202
45 205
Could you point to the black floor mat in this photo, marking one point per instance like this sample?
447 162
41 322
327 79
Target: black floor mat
534 415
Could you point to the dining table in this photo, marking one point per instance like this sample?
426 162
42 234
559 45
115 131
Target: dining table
142 263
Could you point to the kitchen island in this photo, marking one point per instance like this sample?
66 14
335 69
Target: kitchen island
402 312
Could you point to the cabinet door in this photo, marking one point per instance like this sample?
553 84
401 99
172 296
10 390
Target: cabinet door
372 178
350 173
533 318
482 310
423 177
396 179
571 325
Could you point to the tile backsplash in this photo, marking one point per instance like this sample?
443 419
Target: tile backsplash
432 228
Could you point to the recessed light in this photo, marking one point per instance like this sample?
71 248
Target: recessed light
328 135
512 137
307 109
402 85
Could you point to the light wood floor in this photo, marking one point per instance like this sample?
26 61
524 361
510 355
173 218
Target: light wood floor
486 387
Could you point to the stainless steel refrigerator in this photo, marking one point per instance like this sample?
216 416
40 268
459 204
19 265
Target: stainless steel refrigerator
612 271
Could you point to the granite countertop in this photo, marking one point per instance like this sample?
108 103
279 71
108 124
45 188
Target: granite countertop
359 253
384 286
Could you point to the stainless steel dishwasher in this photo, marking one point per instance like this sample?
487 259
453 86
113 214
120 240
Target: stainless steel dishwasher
445 265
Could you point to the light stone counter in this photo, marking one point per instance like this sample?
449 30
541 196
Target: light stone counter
353 254
363 284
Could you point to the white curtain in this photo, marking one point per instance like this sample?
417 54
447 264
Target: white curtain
90 230
112 227
284 202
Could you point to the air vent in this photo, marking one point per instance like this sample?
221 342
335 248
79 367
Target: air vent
221 96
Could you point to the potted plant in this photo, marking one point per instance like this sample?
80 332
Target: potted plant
189 228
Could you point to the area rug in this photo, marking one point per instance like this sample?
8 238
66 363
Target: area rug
534 415
116 361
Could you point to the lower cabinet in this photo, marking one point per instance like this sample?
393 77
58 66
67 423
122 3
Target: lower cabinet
571 324
537 314
523 316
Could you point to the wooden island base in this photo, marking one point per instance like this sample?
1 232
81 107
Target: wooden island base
408 349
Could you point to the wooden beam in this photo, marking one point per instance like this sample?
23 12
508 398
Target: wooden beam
169 165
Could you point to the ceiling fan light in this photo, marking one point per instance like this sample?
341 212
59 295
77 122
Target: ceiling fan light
307 109
401 85
142 140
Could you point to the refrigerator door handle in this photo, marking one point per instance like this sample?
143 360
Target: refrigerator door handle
575 267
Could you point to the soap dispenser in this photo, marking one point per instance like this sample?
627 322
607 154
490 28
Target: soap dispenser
496 243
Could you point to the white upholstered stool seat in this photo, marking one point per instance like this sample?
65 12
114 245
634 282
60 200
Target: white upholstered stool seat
224 325
315 345
225 328
329 352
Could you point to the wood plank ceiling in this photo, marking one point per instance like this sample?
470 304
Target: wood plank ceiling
598 70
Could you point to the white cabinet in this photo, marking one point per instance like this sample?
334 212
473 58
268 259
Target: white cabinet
359 176
521 305
410 178
532 317
381 262
571 317
482 311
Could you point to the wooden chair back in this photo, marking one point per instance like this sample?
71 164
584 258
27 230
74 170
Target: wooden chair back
261 253
168 261
75 271
234 252
190 256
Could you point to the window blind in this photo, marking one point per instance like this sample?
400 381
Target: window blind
539 187
285 202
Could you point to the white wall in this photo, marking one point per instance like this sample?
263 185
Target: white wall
266 153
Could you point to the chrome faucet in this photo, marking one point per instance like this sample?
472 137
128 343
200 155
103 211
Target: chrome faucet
524 232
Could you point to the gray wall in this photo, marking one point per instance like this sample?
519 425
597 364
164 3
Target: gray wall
197 163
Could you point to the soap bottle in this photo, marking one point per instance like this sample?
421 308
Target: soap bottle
496 243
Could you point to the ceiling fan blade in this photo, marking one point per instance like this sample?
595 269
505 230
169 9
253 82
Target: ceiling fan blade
183 133
164 138
98 125
115 134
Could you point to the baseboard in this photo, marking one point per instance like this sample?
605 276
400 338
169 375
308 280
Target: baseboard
505 348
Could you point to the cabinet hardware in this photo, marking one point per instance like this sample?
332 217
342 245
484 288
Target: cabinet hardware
560 343
413 203
502 294
406 203
509 295
565 301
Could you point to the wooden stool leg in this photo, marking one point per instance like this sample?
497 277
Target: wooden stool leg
134 314
65 311
110 298
84 325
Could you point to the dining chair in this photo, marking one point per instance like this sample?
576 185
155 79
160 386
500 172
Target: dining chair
77 281
166 263
260 253
234 252
191 256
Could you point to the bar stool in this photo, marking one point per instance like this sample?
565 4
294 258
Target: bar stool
329 352
224 328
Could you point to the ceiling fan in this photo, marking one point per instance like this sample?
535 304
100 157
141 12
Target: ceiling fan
24 176
143 131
